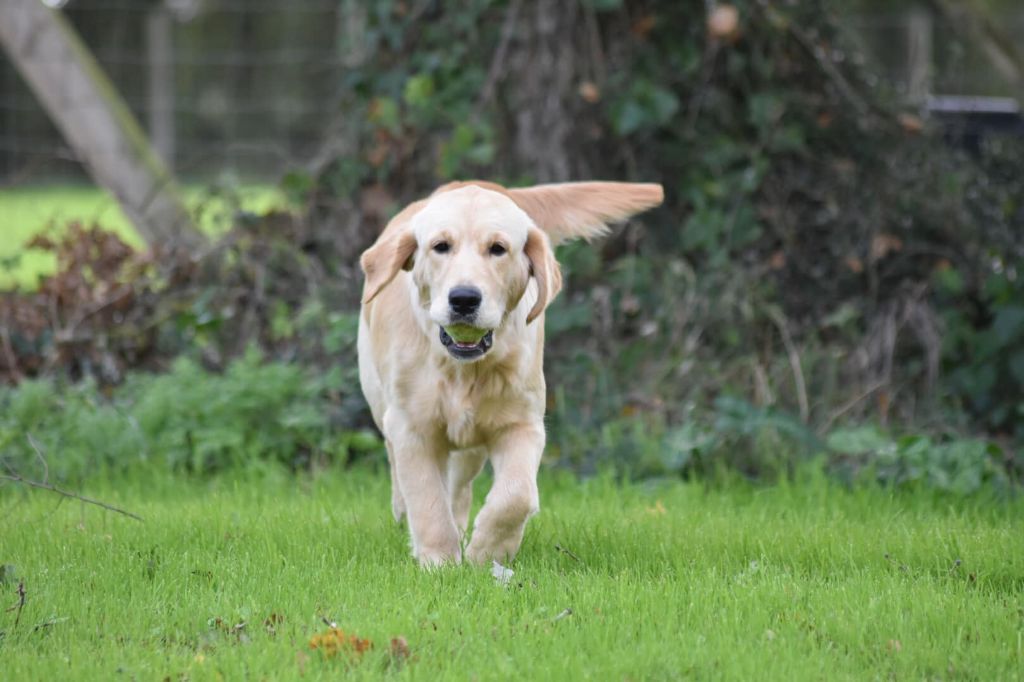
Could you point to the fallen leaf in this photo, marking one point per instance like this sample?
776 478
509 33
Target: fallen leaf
399 648
335 641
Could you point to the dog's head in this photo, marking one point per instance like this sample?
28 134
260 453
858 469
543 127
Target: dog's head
472 250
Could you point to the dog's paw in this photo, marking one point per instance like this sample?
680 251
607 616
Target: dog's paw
435 559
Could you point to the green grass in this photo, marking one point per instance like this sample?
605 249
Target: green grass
672 581
27 211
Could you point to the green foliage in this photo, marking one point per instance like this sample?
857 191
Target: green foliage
186 419
984 345
961 466
193 421
736 437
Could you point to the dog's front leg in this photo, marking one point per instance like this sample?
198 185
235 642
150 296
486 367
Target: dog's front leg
419 460
513 499
397 502
463 467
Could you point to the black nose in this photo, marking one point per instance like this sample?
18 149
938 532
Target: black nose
464 300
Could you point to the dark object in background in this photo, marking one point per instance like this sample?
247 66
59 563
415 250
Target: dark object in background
967 120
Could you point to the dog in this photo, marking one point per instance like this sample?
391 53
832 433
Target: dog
451 350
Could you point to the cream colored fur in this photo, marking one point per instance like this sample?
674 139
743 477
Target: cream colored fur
442 417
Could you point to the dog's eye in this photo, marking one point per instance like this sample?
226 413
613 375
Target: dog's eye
442 247
498 250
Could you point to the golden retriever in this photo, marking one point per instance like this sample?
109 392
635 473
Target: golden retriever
451 350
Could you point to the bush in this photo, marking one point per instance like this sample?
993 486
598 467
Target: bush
191 421
984 345
187 420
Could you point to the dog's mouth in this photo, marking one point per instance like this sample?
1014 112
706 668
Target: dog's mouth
467 350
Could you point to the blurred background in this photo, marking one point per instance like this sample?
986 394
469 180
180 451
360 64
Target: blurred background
834 280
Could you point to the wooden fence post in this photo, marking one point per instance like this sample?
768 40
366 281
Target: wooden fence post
160 82
95 121
920 32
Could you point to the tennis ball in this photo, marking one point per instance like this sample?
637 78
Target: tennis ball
464 333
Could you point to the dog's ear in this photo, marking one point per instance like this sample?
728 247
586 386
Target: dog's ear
545 270
382 261
583 209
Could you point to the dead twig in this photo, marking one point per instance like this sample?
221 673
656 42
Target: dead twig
17 478
49 623
568 553
39 455
902 567
843 409
21 603
794 363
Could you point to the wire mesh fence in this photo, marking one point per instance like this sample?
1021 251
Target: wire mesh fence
250 86
241 86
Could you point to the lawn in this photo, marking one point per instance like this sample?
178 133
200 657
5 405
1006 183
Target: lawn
27 211
231 578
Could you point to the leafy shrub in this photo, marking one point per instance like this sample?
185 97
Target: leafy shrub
957 465
187 420
192 421
984 345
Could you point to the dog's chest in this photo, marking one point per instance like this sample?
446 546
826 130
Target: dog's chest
470 412
461 412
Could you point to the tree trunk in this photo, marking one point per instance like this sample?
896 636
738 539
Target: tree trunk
95 121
